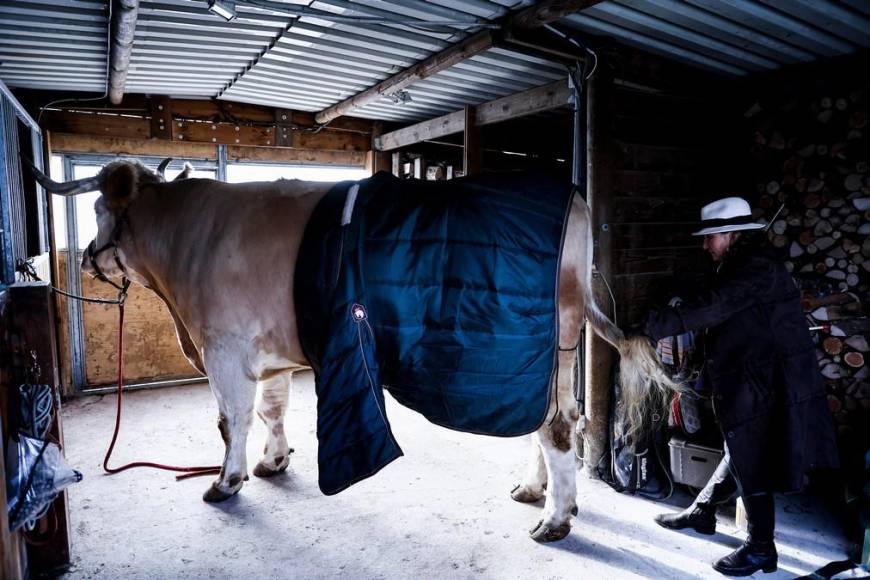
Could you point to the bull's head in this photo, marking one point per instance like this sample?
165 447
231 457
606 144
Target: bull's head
120 183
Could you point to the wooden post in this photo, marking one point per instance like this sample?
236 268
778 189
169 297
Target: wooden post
419 168
599 355
10 544
397 164
471 155
377 160
33 327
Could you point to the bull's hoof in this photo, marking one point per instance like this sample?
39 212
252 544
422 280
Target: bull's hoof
263 469
525 495
216 495
547 533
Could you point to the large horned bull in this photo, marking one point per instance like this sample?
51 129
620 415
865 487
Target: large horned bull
222 257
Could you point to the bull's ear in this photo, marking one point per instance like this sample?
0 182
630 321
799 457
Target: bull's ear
119 187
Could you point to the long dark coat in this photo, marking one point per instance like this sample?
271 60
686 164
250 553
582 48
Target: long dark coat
761 367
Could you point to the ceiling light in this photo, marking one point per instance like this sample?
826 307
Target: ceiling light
223 8
400 97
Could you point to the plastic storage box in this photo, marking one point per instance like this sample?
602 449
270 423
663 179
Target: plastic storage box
693 464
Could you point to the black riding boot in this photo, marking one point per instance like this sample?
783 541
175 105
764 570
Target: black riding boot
701 515
758 552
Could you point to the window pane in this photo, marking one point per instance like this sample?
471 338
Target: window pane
86 219
58 204
238 172
197 173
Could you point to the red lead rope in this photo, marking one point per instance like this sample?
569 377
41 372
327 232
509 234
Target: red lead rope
189 471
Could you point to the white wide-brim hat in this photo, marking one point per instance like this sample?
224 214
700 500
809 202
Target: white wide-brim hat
730 214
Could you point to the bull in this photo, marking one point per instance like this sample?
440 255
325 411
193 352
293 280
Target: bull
221 257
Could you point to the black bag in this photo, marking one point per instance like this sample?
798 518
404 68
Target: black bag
637 469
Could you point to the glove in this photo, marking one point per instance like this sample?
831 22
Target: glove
637 329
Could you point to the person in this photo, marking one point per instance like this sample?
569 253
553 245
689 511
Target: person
760 366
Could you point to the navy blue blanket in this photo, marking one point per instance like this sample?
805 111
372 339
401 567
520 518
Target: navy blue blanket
445 293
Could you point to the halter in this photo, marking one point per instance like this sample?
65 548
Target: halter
113 245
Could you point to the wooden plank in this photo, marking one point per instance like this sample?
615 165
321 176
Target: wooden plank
652 209
32 315
69 143
527 102
542 13
332 140
599 357
301 156
424 131
548 11
222 133
222 111
217 111
438 62
284 127
97 124
161 117
10 544
635 183
471 153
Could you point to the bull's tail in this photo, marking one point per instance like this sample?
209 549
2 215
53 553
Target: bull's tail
646 387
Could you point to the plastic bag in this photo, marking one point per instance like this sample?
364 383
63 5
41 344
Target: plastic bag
38 471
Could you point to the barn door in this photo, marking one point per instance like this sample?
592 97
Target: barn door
151 351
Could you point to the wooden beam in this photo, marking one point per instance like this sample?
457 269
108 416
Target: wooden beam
300 156
123 30
197 131
599 356
161 117
424 131
549 11
527 102
438 62
542 13
471 153
75 143
94 124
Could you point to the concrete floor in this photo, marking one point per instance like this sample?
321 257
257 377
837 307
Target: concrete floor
442 511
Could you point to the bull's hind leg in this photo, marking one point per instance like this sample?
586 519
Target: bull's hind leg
274 392
534 482
234 390
557 439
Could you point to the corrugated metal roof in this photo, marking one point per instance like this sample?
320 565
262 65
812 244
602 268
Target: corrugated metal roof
733 37
309 63
316 63
54 44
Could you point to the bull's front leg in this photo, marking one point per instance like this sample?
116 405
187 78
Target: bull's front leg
234 390
557 441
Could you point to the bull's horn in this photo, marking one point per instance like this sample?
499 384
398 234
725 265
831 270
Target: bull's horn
163 165
66 188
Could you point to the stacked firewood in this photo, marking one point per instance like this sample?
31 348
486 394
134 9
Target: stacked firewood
814 169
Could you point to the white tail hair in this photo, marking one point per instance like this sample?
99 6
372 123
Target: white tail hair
646 387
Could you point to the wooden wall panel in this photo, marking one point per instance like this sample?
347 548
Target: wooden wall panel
151 349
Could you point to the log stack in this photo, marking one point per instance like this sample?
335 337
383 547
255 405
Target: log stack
813 159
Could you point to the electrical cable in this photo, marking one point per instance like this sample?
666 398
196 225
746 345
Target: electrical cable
108 69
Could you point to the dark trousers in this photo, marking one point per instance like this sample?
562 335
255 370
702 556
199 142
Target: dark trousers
723 486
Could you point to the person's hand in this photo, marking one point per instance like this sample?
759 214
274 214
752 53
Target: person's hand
637 329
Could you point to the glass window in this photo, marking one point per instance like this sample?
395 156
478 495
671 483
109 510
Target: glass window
241 172
86 218
58 204
172 172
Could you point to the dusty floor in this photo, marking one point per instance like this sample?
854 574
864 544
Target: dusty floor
442 511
